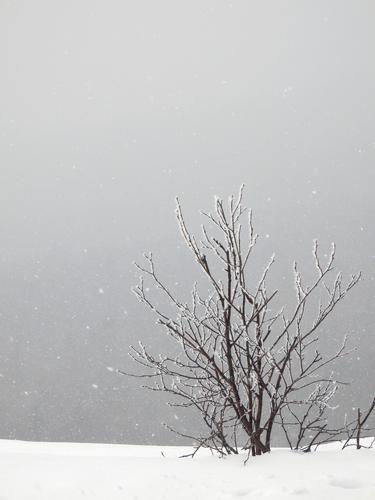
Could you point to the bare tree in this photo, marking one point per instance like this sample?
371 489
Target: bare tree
245 367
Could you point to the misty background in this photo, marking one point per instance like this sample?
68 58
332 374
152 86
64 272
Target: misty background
108 110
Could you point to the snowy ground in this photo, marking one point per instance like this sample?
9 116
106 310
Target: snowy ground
65 471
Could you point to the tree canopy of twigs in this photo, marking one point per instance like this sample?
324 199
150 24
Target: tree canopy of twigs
245 367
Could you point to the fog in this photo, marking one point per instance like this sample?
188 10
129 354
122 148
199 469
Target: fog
111 109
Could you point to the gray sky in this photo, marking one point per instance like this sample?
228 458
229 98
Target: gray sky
111 108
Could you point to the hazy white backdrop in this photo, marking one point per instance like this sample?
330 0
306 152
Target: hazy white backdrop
108 109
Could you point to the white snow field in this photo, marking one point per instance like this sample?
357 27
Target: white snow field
69 471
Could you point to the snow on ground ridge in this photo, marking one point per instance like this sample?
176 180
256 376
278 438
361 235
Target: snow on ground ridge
73 471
